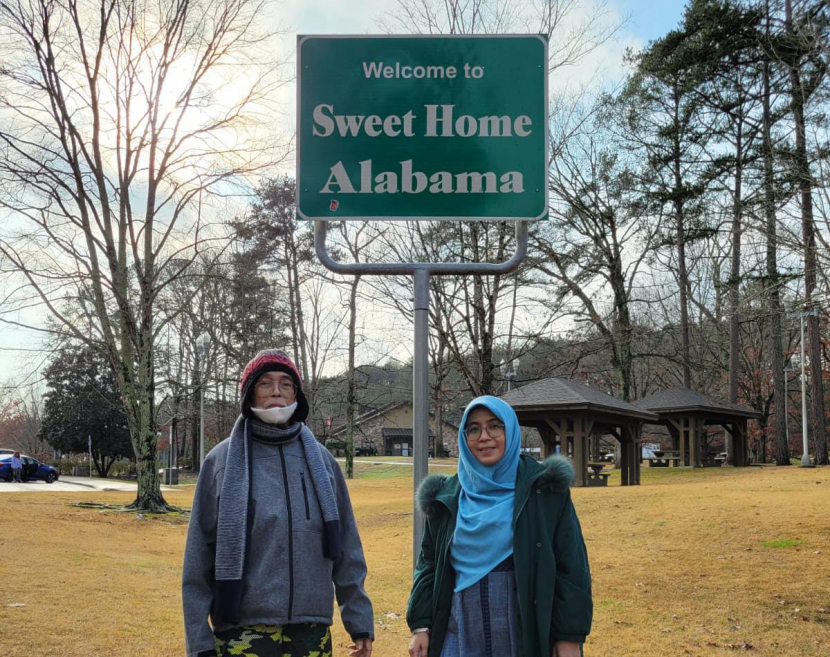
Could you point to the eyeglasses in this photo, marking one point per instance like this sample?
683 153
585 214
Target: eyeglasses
493 429
285 386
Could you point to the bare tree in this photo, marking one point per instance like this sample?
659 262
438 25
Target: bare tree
597 243
21 414
356 240
774 279
468 327
575 28
473 316
117 119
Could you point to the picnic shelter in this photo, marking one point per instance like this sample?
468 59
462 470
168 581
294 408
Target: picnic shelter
687 413
574 417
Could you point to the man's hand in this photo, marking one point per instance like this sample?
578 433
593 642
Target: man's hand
419 645
566 649
361 648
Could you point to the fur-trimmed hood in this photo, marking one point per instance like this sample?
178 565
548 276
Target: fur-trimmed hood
559 472
428 492
437 490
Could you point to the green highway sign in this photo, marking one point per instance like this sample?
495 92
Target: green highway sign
422 127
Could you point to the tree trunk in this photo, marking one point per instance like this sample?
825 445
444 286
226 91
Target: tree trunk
301 329
141 401
624 356
734 291
193 404
103 464
808 231
292 305
439 401
683 278
683 281
223 403
782 450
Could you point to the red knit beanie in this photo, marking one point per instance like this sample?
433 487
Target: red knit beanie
271 360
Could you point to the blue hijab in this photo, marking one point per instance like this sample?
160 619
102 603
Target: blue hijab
484 528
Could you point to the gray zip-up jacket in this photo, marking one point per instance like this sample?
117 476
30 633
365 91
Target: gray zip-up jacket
287 579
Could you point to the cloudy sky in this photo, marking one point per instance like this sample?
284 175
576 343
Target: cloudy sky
21 357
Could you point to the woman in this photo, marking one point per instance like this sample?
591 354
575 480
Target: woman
271 530
503 569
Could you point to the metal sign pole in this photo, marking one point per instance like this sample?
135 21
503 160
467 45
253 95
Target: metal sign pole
420 400
421 272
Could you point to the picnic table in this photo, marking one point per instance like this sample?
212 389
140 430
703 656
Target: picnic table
714 459
662 459
596 476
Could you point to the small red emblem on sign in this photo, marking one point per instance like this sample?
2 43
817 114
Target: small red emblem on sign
334 205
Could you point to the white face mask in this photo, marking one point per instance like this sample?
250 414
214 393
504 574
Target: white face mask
276 414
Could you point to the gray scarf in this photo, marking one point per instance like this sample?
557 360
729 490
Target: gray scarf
234 522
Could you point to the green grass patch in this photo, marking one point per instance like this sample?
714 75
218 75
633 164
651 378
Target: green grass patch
381 471
378 470
782 543
608 604
369 468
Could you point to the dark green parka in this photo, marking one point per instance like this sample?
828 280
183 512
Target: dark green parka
553 580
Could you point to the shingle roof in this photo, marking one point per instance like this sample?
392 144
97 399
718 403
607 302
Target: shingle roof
555 394
373 413
676 400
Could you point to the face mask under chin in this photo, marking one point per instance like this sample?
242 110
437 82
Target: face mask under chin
276 414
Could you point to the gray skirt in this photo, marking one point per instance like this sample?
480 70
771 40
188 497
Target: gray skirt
484 621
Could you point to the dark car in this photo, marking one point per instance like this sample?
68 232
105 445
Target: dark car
366 448
32 469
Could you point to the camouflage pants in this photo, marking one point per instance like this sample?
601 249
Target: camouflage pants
300 640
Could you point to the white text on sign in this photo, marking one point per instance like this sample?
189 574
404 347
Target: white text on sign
440 121
407 72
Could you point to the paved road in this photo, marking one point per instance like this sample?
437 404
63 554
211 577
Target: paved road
71 485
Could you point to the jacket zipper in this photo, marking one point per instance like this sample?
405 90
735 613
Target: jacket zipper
305 497
290 537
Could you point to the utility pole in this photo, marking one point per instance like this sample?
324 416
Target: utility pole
805 457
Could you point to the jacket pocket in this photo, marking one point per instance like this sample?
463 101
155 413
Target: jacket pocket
305 497
313 585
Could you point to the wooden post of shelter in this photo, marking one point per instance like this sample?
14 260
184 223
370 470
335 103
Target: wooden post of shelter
683 432
694 442
548 436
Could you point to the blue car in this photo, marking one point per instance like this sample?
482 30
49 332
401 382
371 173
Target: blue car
32 469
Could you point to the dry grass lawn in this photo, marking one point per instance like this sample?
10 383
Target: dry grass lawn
706 562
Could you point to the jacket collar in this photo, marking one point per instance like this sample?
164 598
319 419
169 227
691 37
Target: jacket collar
438 492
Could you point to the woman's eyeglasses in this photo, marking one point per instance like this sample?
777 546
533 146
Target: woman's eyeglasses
493 429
